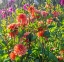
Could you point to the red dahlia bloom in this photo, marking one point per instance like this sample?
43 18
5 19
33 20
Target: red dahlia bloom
40 33
12 56
55 13
22 18
40 29
12 26
26 34
44 13
31 10
49 21
13 34
20 49
13 29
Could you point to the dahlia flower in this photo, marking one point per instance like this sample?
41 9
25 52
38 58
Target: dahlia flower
20 49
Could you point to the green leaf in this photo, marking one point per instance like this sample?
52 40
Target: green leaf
37 60
0 30
21 33
7 60
1 51
29 51
4 42
34 37
30 37
51 26
50 55
47 34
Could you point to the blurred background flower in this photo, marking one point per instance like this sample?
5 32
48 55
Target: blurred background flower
11 0
62 2
1 2
25 7
3 13
10 3
36 2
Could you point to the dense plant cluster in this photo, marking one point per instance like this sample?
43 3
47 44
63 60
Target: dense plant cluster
32 34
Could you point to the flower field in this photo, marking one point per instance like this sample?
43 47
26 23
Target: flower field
32 32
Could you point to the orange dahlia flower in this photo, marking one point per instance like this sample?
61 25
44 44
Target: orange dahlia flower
20 49
22 18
